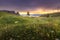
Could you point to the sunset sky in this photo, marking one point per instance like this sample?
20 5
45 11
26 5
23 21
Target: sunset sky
34 6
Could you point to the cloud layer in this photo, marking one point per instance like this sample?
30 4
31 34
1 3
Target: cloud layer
29 4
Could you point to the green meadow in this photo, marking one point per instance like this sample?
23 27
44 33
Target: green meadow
14 27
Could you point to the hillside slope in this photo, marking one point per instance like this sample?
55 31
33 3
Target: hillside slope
6 14
13 27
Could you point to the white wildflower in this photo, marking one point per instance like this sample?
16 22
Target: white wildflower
52 31
16 21
56 39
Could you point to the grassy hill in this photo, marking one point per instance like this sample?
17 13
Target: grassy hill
6 14
56 14
13 27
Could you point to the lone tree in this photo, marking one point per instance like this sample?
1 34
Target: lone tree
28 13
17 13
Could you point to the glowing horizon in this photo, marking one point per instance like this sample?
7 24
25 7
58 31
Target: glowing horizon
40 11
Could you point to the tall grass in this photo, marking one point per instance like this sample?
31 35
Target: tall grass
28 28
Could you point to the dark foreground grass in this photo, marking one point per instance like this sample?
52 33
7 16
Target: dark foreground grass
27 28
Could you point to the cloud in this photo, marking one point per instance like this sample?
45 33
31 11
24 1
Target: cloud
30 4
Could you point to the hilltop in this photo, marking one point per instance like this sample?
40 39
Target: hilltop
9 12
56 14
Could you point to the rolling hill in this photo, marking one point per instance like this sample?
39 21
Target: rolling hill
13 27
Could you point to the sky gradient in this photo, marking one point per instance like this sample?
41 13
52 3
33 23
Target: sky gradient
30 5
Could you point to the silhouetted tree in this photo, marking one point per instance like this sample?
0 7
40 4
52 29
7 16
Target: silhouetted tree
17 13
28 14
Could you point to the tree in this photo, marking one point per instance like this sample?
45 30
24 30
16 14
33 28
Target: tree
17 13
28 13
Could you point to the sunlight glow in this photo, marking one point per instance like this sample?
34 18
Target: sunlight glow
22 13
44 11
41 11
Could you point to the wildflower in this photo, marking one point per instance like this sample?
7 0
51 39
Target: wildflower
11 38
56 39
16 21
52 31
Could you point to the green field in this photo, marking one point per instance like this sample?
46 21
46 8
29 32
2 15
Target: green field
13 27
